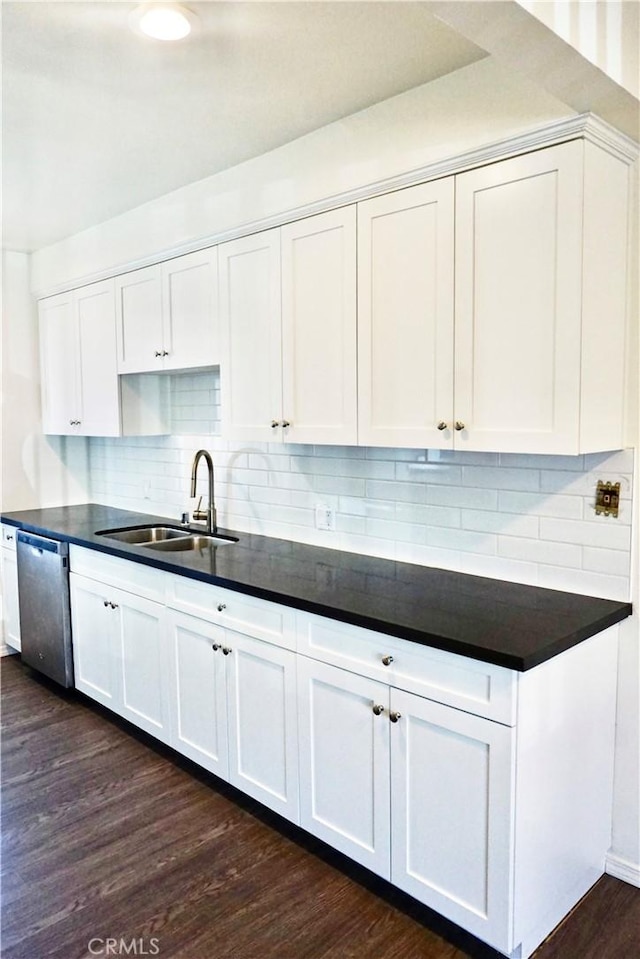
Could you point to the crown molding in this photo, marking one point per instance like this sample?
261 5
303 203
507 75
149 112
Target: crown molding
584 126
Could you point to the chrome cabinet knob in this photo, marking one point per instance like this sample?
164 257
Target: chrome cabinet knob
442 425
105 602
158 353
274 424
226 650
378 710
286 423
165 353
459 425
387 660
215 647
221 607
394 717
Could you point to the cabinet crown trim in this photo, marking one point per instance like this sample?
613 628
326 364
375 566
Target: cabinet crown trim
585 126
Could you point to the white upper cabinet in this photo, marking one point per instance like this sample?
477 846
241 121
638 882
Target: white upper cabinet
540 281
319 389
167 315
288 316
405 317
250 318
531 359
80 390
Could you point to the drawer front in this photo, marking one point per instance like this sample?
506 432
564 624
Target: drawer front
225 607
9 534
125 574
478 688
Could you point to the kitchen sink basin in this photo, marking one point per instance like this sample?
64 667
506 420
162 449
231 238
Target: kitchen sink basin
141 535
192 541
166 537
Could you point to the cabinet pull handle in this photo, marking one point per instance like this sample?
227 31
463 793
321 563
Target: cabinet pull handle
387 660
105 602
215 647
9 538
221 607
286 423
165 353
394 717
274 424
113 605
158 353
378 710
442 425
226 650
459 425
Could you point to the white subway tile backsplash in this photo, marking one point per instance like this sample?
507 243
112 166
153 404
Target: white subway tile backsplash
526 518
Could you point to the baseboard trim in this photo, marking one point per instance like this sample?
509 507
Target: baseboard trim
623 869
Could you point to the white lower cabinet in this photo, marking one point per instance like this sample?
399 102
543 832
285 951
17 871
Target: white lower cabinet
344 762
418 792
234 709
120 653
451 813
483 793
10 607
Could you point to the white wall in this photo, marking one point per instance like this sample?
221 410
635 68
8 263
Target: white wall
36 470
466 109
603 31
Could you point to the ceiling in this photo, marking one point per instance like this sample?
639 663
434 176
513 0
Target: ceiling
97 120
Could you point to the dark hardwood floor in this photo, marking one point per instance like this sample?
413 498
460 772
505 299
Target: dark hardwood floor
108 837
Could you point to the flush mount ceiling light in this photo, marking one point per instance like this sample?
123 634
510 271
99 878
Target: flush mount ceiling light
162 21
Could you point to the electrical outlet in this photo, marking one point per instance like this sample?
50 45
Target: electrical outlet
325 518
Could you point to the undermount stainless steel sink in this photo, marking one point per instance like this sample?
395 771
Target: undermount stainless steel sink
193 541
166 537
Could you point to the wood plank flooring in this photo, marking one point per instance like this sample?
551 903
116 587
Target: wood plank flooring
108 837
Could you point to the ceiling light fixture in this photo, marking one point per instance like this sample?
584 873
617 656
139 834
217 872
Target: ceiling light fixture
162 21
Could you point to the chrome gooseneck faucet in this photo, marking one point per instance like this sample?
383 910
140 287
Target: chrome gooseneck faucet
210 513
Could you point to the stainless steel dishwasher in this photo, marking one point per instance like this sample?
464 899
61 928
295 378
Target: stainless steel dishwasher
45 615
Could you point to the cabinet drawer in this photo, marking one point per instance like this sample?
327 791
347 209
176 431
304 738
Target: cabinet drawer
124 573
225 607
479 688
9 534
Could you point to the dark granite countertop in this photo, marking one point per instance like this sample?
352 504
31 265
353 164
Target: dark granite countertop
486 619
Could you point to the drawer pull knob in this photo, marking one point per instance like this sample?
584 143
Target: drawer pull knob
286 423
9 538
105 602
378 710
394 717
459 425
226 650
442 425
221 607
387 660
275 424
215 647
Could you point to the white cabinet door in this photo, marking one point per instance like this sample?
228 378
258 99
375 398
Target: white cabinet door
250 317
99 408
59 364
198 695
10 606
263 742
139 320
144 663
518 303
405 317
319 328
452 815
189 310
344 762
96 650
